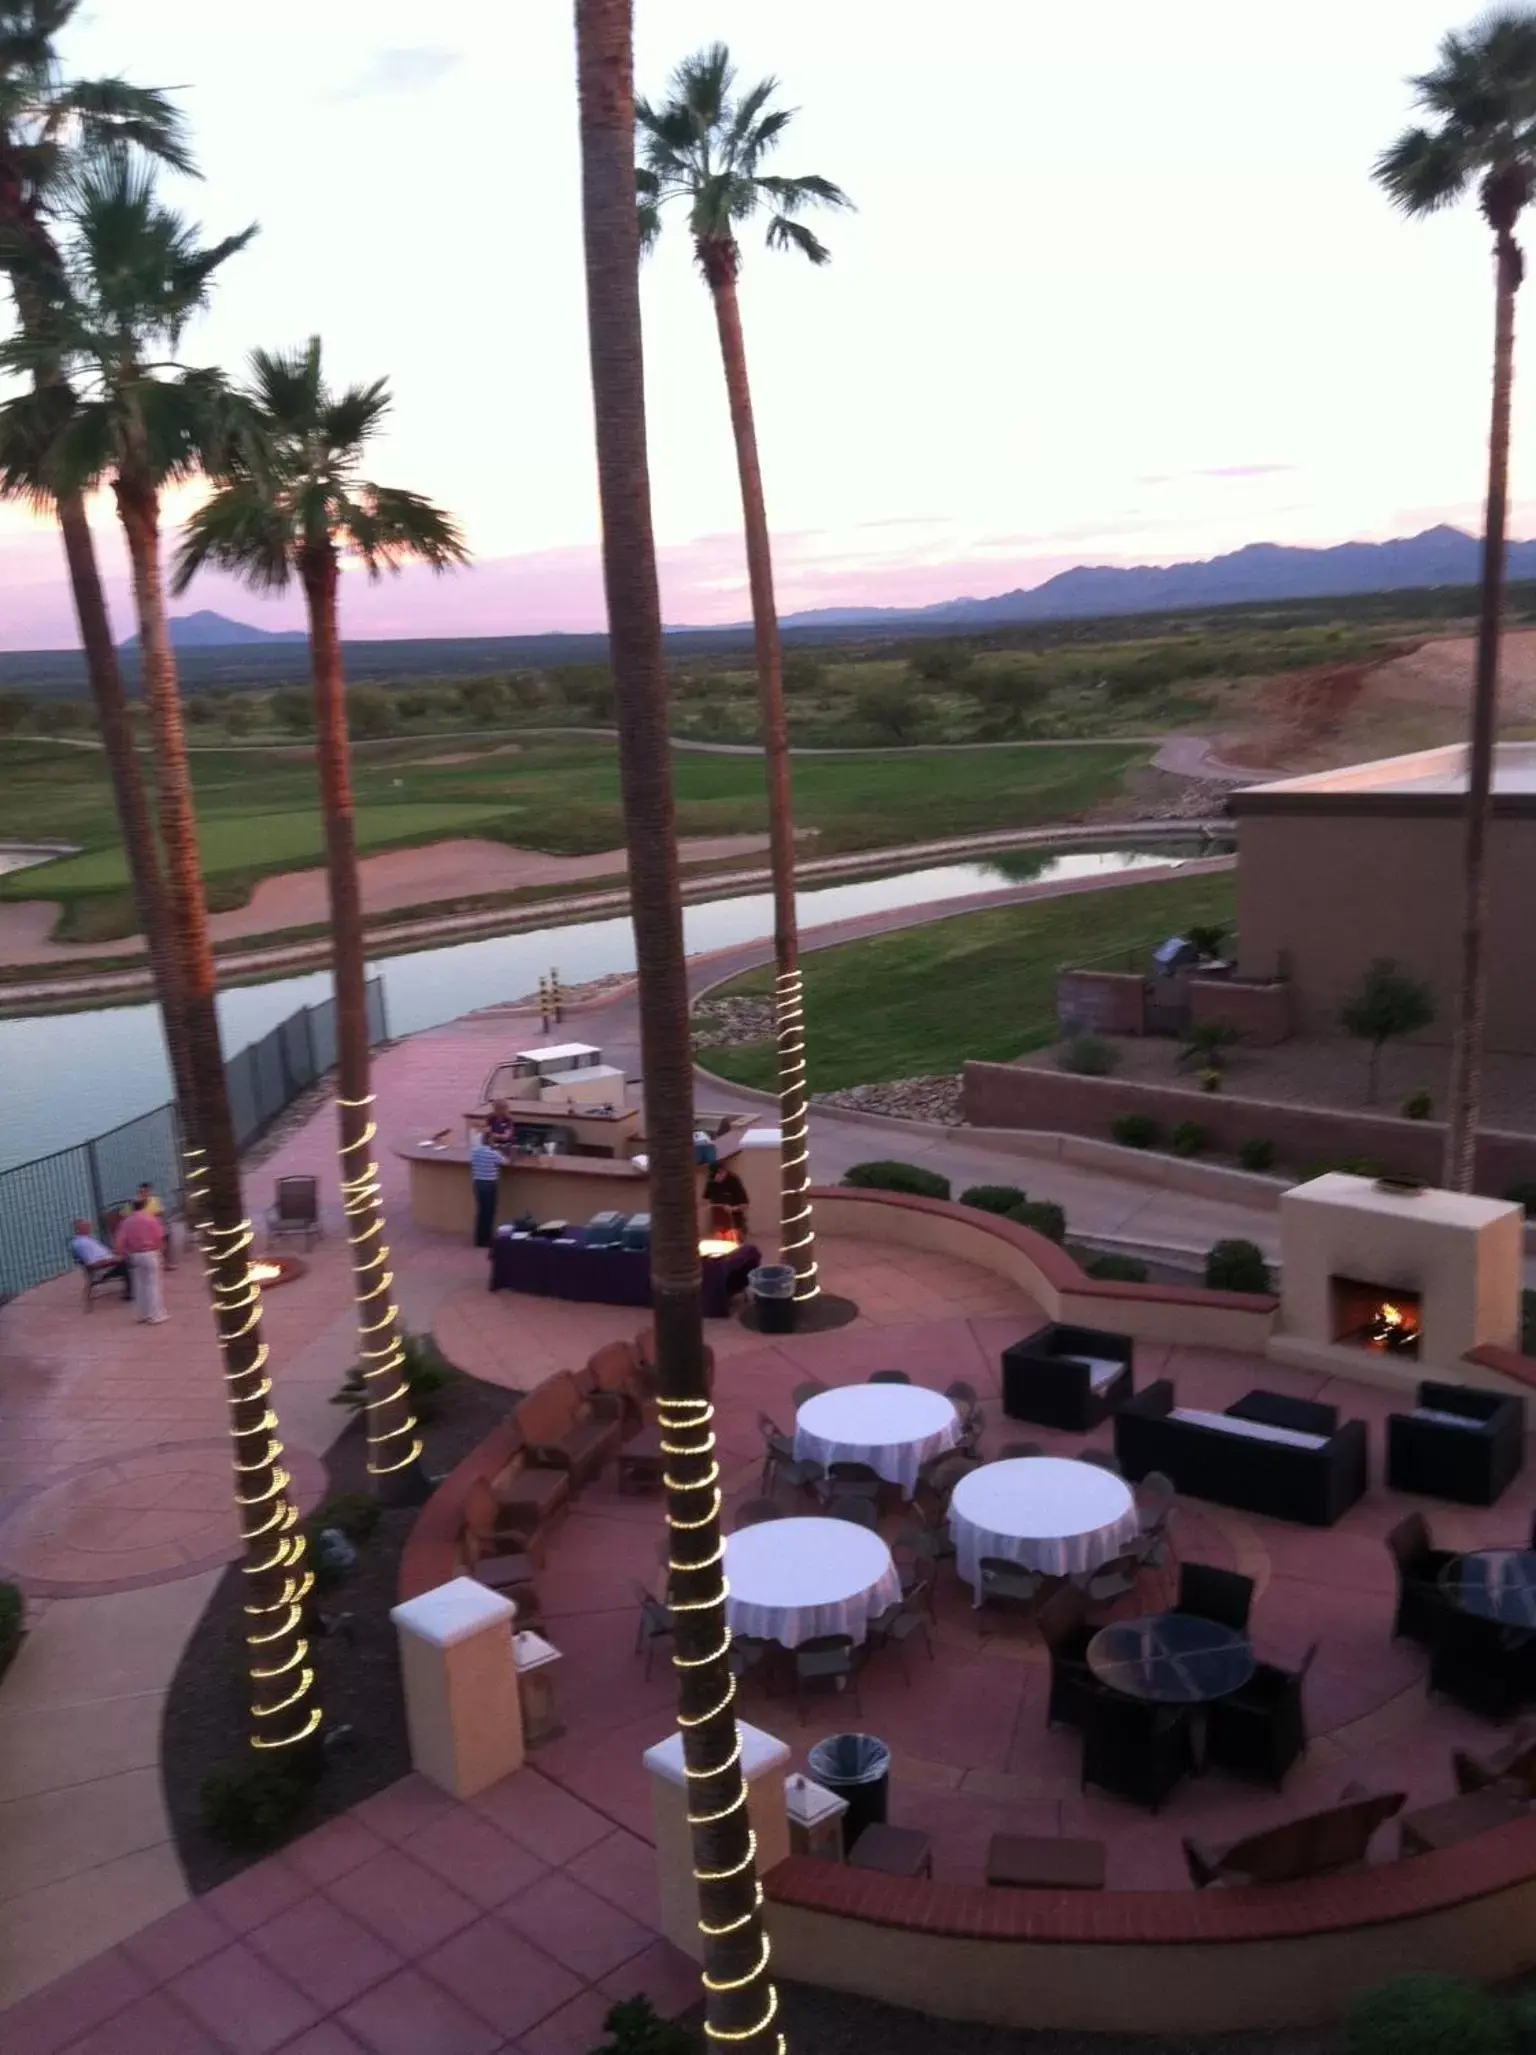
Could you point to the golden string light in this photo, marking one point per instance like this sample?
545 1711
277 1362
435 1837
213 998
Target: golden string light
687 1432
283 1684
362 1200
797 1236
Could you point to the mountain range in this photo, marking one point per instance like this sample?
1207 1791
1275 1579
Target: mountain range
205 630
1259 571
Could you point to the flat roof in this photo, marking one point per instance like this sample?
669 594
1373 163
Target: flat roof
1425 773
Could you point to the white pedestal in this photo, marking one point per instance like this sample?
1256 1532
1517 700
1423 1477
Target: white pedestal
763 1760
460 1679
815 1819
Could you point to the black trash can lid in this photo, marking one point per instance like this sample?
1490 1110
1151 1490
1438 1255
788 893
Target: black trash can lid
849 1759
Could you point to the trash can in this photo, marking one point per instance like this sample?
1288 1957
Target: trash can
856 1767
772 1286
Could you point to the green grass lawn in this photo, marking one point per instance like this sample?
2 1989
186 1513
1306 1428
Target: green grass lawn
983 985
258 809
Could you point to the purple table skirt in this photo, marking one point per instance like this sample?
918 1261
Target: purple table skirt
608 1277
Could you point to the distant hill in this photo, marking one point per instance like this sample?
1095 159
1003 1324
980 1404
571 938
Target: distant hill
1260 571
205 630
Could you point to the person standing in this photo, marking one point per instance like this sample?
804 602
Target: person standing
141 1244
485 1164
152 1205
726 1197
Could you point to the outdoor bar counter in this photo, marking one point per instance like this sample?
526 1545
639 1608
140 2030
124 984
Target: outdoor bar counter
570 1188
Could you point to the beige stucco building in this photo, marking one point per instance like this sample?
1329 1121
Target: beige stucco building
1343 866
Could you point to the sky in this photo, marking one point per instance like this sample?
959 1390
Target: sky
1119 289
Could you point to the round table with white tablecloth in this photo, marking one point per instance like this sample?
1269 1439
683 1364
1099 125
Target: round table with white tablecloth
791 1580
894 1428
1046 1513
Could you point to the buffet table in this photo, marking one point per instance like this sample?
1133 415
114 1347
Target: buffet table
608 1276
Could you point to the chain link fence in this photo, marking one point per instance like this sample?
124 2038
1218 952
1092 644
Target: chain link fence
41 1200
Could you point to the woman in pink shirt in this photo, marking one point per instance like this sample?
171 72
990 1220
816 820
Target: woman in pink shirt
141 1244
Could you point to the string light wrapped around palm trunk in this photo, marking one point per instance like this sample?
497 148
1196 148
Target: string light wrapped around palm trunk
390 1448
279 1582
692 1473
797 1233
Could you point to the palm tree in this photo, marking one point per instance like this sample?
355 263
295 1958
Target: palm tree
706 147
289 501
1481 100
133 419
49 128
740 1999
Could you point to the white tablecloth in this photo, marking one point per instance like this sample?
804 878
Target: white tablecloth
790 1580
894 1428
1045 1512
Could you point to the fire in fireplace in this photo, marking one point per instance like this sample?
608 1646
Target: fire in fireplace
1385 1318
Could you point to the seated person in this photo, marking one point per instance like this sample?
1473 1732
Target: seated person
499 1128
96 1258
726 1197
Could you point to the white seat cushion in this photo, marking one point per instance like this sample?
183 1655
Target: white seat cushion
1446 1419
1255 1430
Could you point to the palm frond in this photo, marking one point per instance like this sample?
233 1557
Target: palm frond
389 528
288 387
1480 98
349 421
114 115
30 427
238 529
1421 172
784 234
790 195
702 83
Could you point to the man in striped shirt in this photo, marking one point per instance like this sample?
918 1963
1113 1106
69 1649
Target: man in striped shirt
485 1176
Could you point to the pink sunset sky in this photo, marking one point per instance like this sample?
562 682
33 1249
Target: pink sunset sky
1120 289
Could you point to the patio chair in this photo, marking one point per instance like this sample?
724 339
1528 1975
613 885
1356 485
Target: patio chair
1005 1583
1480 1665
1316 1845
655 1624
961 1394
1101 1459
1514 1763
1137 1750
860 1512
828 1659
973 1425
749 1652
1064 1630
803 1393
849 1480
1156 1504
295 1210
1115 1579
945 1472
1019 1451
94 1281
756 1511
1259 1731
1212 1594
1421 1605
895 1627
780 1463
888 1377
933 1545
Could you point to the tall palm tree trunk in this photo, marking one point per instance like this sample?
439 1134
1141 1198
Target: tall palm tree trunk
285 1717
797 1234
394 1449
741 2001
133 817
1467 1045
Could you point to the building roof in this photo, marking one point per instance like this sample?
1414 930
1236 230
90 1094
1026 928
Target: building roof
1425 774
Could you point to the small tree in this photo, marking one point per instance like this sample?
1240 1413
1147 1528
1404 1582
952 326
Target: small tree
1386 1004
370 712
292 709
891 707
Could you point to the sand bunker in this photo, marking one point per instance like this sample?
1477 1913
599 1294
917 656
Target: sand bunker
441 872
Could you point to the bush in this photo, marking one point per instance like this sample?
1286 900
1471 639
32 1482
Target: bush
1418 1105
292 708
353 1513
1257 1153
1136 1130
1210 1080
897 1177
1428 2015
634 2029
370 712
890 707
1044 1216
1236 1266
252 1807
485 700
1523 1195
993 1198
1088 1056
1205 1040
239 717
1118 1269
1188 1138
426 1374
12 1623
1207 939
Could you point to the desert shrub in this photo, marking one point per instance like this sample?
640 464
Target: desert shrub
1088 1056
1188 1138
1418 1105
1348 1166
633 2028
804 672
292 708
1206 938
897 1177
15 708
1386 1003
993 1198
1257 1153
1210 1080
1523 1195
1135 1130
1205 1040
1117 1269
890 707
199 709
370 712
485 700
1428 2015
252 1807
239 717
353 1513
1236 1266
425 1370
12 1621
1044 1216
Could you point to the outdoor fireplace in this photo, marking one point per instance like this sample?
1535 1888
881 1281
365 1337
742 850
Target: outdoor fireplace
1385 1318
